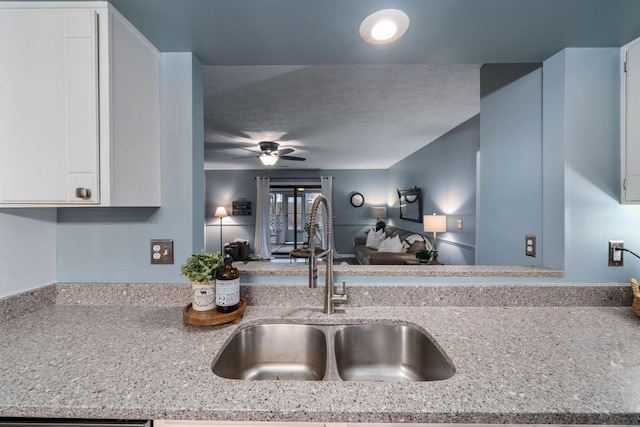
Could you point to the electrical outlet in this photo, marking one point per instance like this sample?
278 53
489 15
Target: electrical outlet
161 251
530 245
616 258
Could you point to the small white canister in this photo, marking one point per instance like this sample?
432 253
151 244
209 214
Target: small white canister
204 296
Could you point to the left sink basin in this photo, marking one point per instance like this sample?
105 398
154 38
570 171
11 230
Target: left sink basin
274 352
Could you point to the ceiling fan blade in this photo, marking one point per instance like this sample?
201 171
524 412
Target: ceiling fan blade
249 149
228 146
245 157
220 145
285 151
298 159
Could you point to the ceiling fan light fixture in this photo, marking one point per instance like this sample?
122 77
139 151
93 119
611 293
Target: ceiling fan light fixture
268 159
384 26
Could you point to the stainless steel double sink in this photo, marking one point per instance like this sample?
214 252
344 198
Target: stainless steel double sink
346 352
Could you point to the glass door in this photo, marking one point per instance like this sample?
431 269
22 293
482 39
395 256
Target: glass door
317 228
294 215
290 211
277 217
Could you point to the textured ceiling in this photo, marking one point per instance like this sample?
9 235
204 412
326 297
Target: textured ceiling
338 117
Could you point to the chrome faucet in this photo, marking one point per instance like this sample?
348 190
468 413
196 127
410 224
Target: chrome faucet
331 298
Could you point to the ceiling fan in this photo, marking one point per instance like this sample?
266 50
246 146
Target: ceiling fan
269 153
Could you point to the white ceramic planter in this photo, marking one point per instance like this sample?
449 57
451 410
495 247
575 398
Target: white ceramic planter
204 296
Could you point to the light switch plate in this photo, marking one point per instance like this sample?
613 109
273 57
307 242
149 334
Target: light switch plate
161 251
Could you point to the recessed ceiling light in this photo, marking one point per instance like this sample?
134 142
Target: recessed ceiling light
384 30
384 26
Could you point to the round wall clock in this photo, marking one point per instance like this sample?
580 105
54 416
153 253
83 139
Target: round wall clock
357 200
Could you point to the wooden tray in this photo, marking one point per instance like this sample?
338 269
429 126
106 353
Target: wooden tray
212 317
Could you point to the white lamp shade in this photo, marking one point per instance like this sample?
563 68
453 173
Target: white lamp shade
221 211
378 212
268 159
435 223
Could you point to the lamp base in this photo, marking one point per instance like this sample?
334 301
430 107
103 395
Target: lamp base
434 259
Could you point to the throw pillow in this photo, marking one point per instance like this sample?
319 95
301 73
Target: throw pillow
374 238
409 241
391 244
417 245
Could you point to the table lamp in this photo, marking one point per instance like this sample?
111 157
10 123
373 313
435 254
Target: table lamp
436 224
221 212
378 212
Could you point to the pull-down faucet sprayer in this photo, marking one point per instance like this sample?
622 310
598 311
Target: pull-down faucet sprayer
331 298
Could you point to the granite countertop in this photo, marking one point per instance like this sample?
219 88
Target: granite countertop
258 268
517 364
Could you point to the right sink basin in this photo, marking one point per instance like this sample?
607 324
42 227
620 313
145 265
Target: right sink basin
388 353
352 352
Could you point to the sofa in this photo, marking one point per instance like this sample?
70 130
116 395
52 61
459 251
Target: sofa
412 242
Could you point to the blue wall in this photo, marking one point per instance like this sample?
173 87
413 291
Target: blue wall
445 170
112 244
510 172
562 184
553 116
580 188
27 249
593 213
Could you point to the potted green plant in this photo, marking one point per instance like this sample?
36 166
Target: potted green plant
423 255
201 270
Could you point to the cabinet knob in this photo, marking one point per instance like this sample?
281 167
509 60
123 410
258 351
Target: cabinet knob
83 193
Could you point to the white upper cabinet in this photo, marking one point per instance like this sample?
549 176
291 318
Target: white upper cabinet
631 123
79 107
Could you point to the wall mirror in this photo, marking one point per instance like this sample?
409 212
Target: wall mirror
411 204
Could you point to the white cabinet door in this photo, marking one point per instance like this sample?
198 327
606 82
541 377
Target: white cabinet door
48 106
631 124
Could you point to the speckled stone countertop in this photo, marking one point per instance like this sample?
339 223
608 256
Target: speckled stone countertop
78 358
257 268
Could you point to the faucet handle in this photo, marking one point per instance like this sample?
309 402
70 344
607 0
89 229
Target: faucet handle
338 303
340 298
344 289
340 309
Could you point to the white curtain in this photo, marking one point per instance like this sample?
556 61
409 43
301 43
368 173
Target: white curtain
326 183
262 247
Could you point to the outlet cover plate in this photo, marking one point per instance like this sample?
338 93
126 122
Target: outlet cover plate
530 245
614 261
161 251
